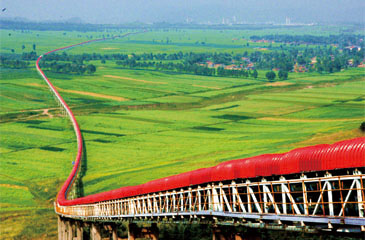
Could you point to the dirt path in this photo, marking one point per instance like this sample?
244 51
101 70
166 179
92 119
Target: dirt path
133 79
202 86
46 112
13 186
278 84
329 138
109 48
98 95
309 120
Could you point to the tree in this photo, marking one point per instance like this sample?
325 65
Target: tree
362 126
283 75
270 76
255 73
90 69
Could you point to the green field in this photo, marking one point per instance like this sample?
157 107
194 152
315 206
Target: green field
140 125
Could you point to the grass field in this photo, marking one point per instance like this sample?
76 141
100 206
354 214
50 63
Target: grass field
141 125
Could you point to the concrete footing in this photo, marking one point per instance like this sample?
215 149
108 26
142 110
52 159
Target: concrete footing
230 233
70 229
135 232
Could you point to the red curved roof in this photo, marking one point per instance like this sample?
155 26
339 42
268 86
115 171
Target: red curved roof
344 154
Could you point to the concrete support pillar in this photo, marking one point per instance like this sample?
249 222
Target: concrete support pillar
114 232
225 233
252 234
79 231
61 229
238 237
69 232
95 232
154 232
132 231
217 234
135 232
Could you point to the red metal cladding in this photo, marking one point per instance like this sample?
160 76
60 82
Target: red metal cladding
358 157
264 165
321 158
153 186
303 158
290 162
223 171
341 156
315 158
336 156
180 180
247 167
275 164
328 162
200 176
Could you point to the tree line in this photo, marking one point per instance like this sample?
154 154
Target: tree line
6 62
69 68
187 67
76 66
342 40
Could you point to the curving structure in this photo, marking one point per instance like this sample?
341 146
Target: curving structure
315 187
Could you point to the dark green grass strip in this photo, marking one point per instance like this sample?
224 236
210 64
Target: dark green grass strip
103 133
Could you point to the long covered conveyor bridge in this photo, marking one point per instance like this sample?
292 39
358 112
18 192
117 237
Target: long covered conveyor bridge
313 185
307 189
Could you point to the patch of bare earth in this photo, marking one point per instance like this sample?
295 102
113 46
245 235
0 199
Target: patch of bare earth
202 86
322 138
278 84
13 186
108 48
133 79
46 112
309 120
97 95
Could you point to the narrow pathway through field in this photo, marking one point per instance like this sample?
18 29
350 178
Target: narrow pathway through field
92 94
133 79
309 120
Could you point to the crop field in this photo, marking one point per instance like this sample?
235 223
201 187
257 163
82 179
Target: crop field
140 125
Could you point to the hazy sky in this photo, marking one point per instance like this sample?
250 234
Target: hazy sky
121 11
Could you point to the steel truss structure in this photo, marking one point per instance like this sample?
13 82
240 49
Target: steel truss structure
329 200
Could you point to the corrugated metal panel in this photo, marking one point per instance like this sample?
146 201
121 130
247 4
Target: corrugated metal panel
200 176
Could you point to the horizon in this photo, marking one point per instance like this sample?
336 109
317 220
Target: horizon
199 12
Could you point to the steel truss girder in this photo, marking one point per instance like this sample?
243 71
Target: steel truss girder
336 200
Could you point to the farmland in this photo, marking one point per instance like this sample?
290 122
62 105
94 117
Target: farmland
141 124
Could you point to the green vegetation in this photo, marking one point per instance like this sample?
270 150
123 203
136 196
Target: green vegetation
142 124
